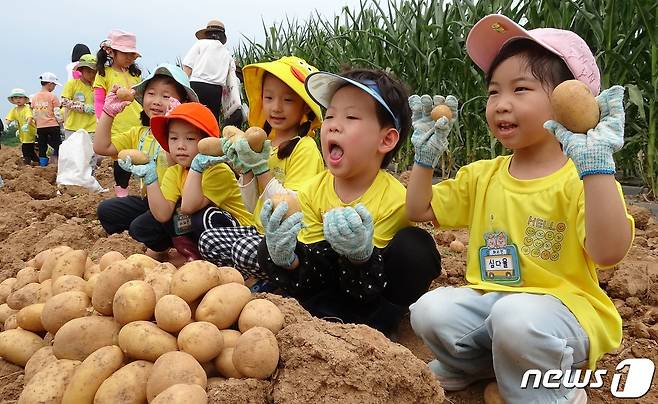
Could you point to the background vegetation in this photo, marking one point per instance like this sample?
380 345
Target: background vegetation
423 43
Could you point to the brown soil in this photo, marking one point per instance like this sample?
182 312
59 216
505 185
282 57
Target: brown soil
320 361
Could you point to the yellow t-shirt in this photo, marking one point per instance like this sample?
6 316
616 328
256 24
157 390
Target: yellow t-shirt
384 199
140 138
545 219
292 172
218 184
129 117
21 115
77 90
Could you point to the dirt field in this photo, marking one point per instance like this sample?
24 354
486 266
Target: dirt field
320 361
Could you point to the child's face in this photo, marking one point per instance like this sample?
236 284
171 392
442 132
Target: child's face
353 142
157 95
283 108
518 106
88 75
183 139
123 60
50 87
19 101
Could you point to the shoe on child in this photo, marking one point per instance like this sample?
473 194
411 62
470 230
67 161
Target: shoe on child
186 247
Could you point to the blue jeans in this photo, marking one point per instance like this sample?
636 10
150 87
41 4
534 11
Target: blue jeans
475 335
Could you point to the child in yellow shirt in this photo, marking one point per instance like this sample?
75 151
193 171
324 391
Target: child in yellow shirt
540 221
356 256
21 117
78 98
191 187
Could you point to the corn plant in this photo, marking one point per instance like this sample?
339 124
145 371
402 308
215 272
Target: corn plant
423 43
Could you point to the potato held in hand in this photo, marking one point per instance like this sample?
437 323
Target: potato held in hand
137 157
440 111
574 106
291 200
256 137
125 94
210 146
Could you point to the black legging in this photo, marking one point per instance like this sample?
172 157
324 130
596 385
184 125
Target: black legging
50 136
210 95
121 176
29 155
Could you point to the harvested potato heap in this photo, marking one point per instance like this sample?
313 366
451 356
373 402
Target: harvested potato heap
132 330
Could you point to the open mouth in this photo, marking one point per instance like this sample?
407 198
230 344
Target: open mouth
506 127
335 152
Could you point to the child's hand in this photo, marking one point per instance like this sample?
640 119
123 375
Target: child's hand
202 161
350 231
89 109
249 159
430 138
592 153
113 105
280 235
147 172
24 128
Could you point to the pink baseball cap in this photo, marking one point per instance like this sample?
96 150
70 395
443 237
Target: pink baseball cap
122 41
488 36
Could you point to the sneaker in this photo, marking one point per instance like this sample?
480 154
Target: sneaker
120 192
186 247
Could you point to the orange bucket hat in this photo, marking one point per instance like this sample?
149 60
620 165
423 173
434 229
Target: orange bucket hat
193 113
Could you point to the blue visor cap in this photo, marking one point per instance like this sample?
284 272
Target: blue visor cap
322 86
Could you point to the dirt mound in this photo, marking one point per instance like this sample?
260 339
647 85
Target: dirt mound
324 362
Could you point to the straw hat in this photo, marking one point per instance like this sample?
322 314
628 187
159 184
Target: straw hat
213 25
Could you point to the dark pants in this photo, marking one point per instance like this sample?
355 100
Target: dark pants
50 136
210 95
121 176
29 154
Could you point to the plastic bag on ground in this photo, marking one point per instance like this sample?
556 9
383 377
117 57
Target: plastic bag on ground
73 165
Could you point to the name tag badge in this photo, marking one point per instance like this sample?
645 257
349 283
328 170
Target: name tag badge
182 223
499 260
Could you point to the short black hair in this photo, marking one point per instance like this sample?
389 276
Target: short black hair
43 83
545 66
182 95
78 50
396 94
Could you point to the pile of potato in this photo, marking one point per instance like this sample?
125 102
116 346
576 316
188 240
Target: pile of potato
132 330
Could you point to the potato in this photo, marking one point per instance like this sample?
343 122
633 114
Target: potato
182 394
174 368
25 296
5 312
62 308
202 340
256 353
440 111
574 106
125 94
38 361
29 317
126 386
194 279
91 271
261 313
40 258
136 157
134 300
231 131
91 373
256 137
143 261
68 283
70 263
224 364
290 199
160 283
45 291
48 385
492 395
17 346
164 268
144 340
11 323
112 278
210 146
230 274
222 304
50 260
109 258
79 337
230 337
172 313
25 276
457 246
91 285
6 289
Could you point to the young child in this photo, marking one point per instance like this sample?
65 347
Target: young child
356 257
115 66
192 185
540 220
21 117
78 98
45 107
157 94
278 103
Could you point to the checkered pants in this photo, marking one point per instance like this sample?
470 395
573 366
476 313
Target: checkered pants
233 246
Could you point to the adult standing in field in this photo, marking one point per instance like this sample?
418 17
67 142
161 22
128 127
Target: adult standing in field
209 63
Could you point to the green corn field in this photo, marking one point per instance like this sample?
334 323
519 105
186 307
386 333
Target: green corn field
423 43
